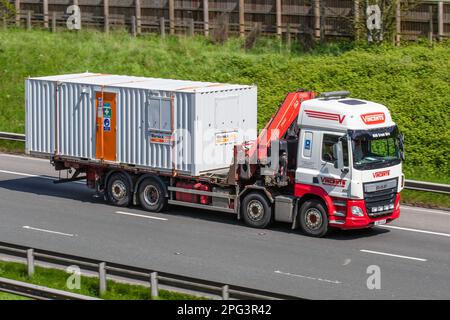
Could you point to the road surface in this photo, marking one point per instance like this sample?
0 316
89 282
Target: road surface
412 254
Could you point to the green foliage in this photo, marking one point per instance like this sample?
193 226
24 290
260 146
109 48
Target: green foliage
413 80
56 279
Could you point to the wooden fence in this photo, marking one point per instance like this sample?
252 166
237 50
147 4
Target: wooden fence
323 19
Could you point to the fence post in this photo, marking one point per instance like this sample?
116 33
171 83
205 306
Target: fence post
279 18
356 19
5 23
398 24
430 29
17 7
241 18
191 29
133 26
45 12
317 20
206 17
154 285
225 292
138 16
106 15
288 36
162 27
53 21
30 262
102 277
29 20
172 16
441 20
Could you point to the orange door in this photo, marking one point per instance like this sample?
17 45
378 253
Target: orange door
106 126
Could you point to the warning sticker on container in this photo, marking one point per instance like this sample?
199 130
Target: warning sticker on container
107 110
162 138
226 137
106 124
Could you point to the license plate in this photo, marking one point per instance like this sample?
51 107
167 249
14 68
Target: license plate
380 222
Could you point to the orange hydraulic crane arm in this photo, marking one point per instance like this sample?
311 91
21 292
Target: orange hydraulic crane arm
286 114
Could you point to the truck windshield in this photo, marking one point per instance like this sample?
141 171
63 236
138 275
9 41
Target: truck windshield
373 149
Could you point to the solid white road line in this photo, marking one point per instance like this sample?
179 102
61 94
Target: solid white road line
26 174
49 231
393 255
417 230
140 215
34 176
23 157
307 277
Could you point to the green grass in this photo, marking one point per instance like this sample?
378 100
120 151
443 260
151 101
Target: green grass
413 80
425 199
8 296
57 279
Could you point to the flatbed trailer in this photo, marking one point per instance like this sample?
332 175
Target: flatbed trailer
322 161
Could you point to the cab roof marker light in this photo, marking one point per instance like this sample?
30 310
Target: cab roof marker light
334 95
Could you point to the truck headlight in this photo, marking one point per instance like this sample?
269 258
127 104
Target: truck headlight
357 211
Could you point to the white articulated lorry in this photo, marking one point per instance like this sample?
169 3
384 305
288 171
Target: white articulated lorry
322 161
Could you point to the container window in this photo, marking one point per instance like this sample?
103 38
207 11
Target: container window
159 114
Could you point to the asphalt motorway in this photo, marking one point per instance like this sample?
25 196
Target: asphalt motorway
412 254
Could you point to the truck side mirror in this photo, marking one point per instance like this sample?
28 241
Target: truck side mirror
338 155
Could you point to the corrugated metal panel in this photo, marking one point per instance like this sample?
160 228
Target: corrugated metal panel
61 119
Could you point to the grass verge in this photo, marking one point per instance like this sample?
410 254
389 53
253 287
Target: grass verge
8 296
425 199
57 279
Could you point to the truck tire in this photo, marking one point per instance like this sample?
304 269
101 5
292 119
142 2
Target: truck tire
314 218
152 195
118 190
256 210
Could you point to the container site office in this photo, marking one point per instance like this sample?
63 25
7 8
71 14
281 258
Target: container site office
166 125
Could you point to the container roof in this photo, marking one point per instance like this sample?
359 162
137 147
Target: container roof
120 81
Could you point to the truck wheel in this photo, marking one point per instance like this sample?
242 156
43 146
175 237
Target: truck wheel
152 196
314 218
119 190
256 210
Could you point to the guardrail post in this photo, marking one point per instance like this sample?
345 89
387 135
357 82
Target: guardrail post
154 285
241 18
279 18
225 292
30 262
102 277
172 16
441 20
138 16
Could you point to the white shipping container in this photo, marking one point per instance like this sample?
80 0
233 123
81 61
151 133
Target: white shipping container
165 125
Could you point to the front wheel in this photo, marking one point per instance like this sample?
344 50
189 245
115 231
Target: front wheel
314 218
256 210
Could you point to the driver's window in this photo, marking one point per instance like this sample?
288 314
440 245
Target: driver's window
328 141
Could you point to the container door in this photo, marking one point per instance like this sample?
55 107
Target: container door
106 126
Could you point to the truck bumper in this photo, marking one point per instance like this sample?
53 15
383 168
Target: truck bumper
351 221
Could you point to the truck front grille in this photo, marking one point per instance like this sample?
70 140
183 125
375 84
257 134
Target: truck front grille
380 197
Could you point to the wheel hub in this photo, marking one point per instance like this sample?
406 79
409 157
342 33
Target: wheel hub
118 190
313 219
151 195
255 210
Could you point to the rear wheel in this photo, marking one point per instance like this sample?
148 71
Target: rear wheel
314 218
256 210
152 195
119 190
